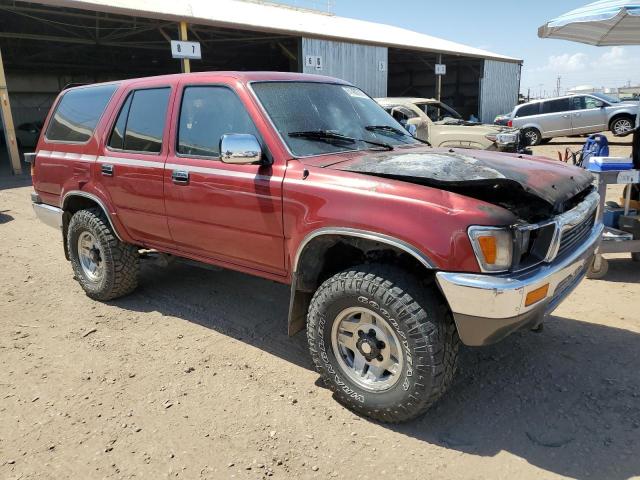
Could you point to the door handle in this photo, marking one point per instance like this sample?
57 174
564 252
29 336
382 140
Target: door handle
180 177
566 116
577 114
106 169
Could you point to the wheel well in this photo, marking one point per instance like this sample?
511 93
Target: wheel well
621 115
327 255
73 204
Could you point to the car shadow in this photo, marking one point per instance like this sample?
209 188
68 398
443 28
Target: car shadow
14 181
623 270
4 217
566 400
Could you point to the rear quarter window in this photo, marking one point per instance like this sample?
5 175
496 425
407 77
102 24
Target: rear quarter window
78 113
528 110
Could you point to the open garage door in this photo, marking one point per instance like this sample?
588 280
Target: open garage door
47 48
412 74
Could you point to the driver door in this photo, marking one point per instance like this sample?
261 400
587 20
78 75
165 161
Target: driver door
588 115
229 213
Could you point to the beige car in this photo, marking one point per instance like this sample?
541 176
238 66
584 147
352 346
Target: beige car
441 126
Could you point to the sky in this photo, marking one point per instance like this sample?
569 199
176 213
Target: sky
507 27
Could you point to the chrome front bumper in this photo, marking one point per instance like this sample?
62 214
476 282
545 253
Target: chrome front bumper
487 308
51 216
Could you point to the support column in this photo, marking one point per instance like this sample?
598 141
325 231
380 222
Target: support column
185 63
9 131
439 82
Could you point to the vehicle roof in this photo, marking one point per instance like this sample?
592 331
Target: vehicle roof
540 100
400 100
245 77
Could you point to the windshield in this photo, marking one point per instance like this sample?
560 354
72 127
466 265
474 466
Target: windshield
606 98
438 111
298 108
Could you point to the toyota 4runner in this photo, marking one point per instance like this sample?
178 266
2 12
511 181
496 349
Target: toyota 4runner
395 251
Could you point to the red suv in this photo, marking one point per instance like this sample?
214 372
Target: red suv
395 251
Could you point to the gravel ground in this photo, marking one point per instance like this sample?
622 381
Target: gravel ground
193 377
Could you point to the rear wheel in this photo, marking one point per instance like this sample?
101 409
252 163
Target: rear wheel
532 136
105 267
385 345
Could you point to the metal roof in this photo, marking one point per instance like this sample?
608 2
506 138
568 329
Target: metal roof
268 17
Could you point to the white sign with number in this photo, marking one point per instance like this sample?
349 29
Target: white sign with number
441 69
182 49
629 176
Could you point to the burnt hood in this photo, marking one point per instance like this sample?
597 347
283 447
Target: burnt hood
464 171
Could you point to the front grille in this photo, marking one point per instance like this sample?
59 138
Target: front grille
575 235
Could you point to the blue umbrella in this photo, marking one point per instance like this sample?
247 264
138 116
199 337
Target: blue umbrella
603 23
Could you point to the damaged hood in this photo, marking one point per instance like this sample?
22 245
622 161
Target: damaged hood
457 170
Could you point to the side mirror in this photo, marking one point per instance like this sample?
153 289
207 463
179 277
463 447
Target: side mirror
240 149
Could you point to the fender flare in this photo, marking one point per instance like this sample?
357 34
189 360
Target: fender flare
299 300
79 193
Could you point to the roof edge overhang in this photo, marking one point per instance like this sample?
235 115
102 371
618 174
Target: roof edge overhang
271 18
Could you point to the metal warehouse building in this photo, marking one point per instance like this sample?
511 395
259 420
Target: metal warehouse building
49 44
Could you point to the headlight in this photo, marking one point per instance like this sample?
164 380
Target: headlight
493 247
507 138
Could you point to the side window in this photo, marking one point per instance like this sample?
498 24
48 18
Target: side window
556 106
206 114
78 113
593 102
141 121
117 135
577 103
528 110
402 115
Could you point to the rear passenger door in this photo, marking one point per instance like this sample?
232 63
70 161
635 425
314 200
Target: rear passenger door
229 213
555 117
131 166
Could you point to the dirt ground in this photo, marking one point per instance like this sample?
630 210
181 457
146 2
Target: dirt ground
193 376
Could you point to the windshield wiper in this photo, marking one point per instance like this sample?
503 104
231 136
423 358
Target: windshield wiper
386 128
389 128
328 135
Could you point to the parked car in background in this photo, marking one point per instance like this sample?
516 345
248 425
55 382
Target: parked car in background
502 120
395 251
542 120
28 133
441 126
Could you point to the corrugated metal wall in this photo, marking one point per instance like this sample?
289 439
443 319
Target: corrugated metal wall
499 89
365 66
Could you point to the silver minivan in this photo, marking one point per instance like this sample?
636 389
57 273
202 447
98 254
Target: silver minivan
542 120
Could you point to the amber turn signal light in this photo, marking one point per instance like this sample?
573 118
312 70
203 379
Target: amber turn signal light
534 296
489 249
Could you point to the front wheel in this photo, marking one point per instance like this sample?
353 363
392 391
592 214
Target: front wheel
105 267
386 345
621 125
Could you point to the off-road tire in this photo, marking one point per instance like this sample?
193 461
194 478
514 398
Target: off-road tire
529 133
420 319
121 260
